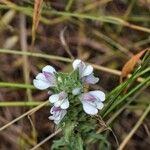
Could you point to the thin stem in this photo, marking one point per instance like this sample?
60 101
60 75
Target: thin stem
107 19
21 104
24 115
64 59
136 126
24 48
16 85
46 139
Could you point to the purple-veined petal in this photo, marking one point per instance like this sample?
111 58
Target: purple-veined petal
65 104
50 77
89 109
57 114
88 98
90 79
40 84
58 103
49 69
98 94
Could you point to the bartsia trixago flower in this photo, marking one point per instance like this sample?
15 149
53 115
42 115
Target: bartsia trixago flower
85 72
60 100
57 114
45 79
92 101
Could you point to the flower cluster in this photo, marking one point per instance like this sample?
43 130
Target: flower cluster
64 87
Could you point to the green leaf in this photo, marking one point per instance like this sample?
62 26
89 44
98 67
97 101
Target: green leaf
57 144
79 142
68 130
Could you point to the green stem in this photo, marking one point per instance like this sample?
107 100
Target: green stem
136 126
107 19
16 85
20 104
17 52
127 95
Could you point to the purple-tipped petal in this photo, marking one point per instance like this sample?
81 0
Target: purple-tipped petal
57 114
50 78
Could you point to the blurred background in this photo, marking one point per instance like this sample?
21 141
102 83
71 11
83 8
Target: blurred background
102 32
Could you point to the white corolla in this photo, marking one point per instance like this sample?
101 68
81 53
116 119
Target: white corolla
45 79
92 101
60 100
85 72
57 114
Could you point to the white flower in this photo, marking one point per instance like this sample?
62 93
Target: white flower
76 91
92 101
60 100
85 72
45 79
90 79
57 114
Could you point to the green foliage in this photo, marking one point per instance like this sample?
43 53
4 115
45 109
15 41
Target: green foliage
58 144
80 129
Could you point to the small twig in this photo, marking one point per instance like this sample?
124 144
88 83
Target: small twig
65 45
64 59
20 103
46 139
146 129
104 127
24 115
24 48
136 126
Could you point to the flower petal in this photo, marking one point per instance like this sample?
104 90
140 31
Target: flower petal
76 91
51 117
100 105
40 76
50 77
99 94
39 84
58 115
58 103
87 71
49 69
89 109
76 63
54 98
65 104
90 79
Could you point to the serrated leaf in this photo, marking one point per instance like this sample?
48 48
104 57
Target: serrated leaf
68 130
57 144
79 142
